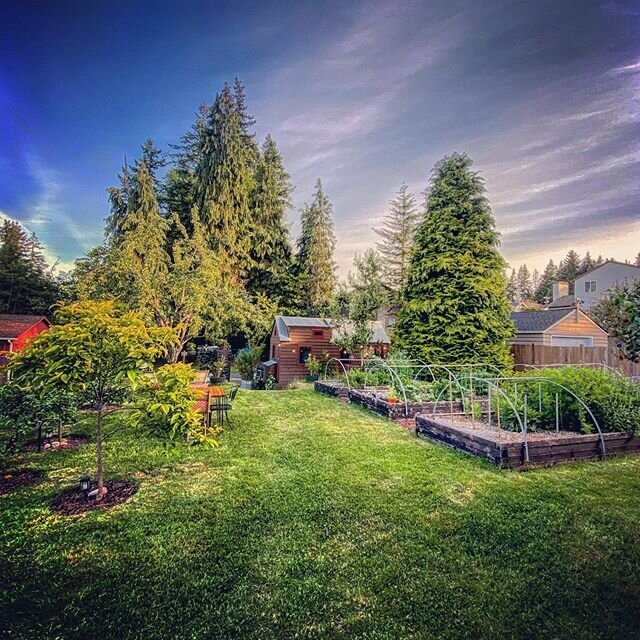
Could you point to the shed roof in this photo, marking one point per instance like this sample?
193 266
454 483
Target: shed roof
538 321
283 323
12 326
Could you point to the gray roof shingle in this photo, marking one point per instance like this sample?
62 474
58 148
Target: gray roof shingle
537 321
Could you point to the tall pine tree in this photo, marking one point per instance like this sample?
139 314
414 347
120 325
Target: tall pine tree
455 303
271 253
316 245
397 231
225 182
544 291
569 268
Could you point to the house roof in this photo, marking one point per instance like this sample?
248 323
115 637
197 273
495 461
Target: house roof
538 321
563 302
604 264
283 323
13 326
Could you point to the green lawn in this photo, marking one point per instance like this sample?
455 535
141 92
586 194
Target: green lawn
314 519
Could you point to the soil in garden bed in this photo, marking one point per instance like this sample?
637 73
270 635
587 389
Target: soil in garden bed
13 480
74 502
70 442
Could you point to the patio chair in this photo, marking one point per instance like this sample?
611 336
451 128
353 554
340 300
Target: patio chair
203 406
225 406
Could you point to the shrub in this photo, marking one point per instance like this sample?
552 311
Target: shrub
247 360
166 406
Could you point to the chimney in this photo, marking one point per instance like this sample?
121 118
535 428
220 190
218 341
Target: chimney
560 288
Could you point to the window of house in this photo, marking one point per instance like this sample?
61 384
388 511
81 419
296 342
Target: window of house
305 352
571 341
589 285
318 333
273 352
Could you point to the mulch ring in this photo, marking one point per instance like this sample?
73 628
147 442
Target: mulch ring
74 502
13 480
70 442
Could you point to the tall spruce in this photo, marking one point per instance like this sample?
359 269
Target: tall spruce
119 197
247 121
316 245
525 285
569 268
637 260
513 294
455 303
271 252
544 291
397 231
224 183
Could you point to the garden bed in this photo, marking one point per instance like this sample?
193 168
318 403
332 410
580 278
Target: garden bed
67 443
506 448
74 502
334 388
375 401
13 480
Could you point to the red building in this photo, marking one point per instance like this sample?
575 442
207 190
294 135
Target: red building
16 331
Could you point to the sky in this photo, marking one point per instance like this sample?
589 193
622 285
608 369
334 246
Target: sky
543 95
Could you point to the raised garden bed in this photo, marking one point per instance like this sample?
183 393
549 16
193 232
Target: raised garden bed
332 388
375 401
506 448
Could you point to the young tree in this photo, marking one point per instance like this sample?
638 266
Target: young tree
225 182
544 291
353 312
619 313
316 245
271 251
95 348
456 307
397 231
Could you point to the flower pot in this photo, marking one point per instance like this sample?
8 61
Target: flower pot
217 379
392 400
246 384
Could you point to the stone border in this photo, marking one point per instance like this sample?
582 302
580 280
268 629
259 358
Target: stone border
542 453
331 388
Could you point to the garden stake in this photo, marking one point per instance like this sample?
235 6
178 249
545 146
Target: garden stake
489 394
557 415
540 397
524 430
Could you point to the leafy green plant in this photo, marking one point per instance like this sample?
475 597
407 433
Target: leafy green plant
270 383
165 406
247 360
313 365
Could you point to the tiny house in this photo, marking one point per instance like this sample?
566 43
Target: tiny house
294 338
16 330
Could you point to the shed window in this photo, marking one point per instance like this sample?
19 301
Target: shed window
305 352
319 333
572 341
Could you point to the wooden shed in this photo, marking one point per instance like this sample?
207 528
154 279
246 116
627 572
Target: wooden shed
566 327
294 338
16 330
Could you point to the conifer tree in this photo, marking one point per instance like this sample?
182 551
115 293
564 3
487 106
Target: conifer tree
525 289
535 280
247 121
569 268
225 182
544 291
637 260
587 263
315 246
271 253
455 303
26 283
397 231
513 294
119 204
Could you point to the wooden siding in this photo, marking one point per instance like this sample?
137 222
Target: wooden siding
287 353
580 327
20 342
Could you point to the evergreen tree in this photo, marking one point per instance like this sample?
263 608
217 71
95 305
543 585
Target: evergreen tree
544 291
397 231
225 182
271 253
513 294
315 246
456 307
569 268
26 283
247 121
119 204
535 280
525 288
637 260
587 263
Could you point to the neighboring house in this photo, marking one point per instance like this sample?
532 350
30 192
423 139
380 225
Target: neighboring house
294 338
387 316
16 330
565 327
591 286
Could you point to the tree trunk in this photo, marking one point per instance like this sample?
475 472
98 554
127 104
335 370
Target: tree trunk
99 453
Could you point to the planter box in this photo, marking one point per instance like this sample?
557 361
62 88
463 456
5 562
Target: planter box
331 388
395 410
542 452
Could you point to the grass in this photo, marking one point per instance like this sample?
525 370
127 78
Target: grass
314 519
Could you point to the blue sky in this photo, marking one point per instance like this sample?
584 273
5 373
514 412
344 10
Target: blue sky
543 95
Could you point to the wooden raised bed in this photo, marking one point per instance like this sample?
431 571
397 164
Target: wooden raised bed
331 388
506 449
396 410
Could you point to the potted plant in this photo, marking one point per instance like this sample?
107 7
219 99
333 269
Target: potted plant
216 371
247 360
392 397
313 366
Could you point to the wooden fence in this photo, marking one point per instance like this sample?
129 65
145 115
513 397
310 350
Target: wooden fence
539 354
